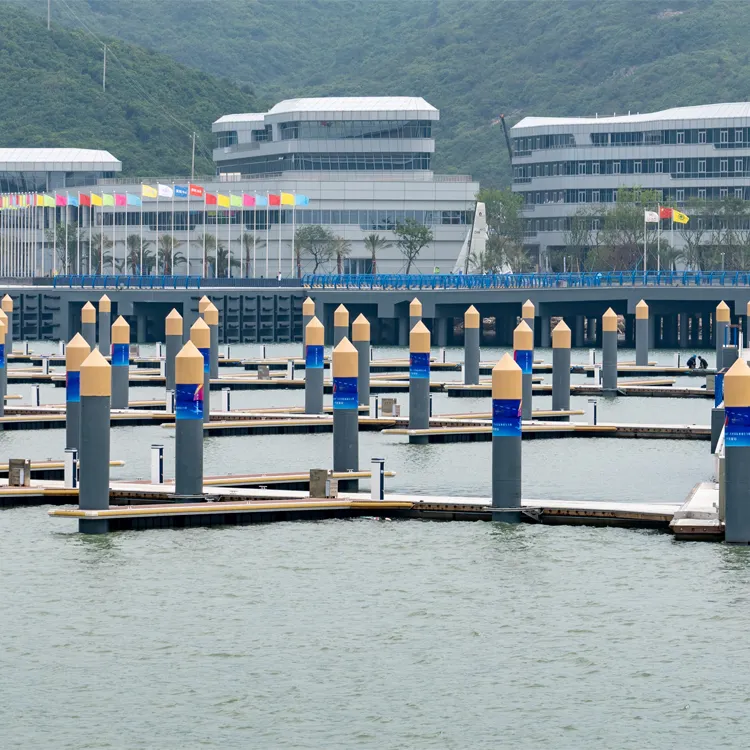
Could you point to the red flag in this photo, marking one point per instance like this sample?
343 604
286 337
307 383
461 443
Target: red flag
84 200
274 200
196 191
665 213
210 199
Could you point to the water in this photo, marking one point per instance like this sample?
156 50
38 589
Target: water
370 634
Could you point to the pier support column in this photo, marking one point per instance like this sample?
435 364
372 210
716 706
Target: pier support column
609 351
93 451
683 330
308 313
415 312
545 335
528 313
120 364
641 334
315 336
76 353
200 335
706 336
88 324
507 390
729 356
561 368
344 370
721 319
211 317
441 331
189 405
471 346
173 336
361 341
579 341
672 332
629 331
523 354
140 328
403 331
340 325
7 305
737 453
105 324
419 381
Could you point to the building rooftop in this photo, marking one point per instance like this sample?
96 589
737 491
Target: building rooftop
57 160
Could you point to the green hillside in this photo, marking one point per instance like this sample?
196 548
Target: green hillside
471 58
51 94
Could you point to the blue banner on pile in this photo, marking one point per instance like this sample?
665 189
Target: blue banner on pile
188 401
524 359
314 357
206 359
345 393
718 388
506 417
120 355
73 387
737 426
419 365
2 355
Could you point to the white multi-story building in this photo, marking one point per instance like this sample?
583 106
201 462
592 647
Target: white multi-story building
561 164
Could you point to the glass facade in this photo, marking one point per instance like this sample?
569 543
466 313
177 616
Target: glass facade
343 129
324 162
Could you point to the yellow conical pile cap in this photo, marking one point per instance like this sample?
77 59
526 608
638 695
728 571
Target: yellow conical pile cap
200 334
88 313
561 336
173 324
641 310
76 352
471 318
344 360
120 331
528 310
507 381
722 312
105 304
341 317
419 339
737 384
361 328
308 307
203 303
211 314
523 337
415 308
609 320
7 303
96 375
188 365
314 333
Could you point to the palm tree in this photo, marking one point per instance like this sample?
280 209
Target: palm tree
221 266
136 250
342 249
251 240
167 258
97 250
373 244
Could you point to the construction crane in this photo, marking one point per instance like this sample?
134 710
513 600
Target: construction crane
501 119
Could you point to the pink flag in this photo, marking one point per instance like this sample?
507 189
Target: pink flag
248 200
121 200
61 200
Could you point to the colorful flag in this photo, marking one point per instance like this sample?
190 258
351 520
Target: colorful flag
287 199
236 200
180 191
665 213
108 199
49 201
679 217
248 200
223 200
301 200
60 200
261 200
164 191
132 200
84 199
121 200
72 200
38 199
274 200
651 217
210 199
148 192
21 200
96 200
196 191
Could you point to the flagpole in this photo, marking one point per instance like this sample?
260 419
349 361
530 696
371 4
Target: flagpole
268 230
187 269
91 221
229 236
671 236
205 219
294 229
156 248
171 243
54 238
658 240
141 220
644 247
255 233
114 235
279 231
101 238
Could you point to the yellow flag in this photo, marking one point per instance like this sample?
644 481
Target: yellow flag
680 218
49 201
96 200
148 192
223 200
287 199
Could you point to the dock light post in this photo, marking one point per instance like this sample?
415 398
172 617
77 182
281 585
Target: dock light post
345 369
528 313
721 321
88 324
173 336
200 335
641 334
120 363
76 353
105 323
523 355
314 334
561 368
415 313
340 325
507 390
471 346
308 313
211 316
3 366
419 381
93 452
737 453
7 305
189 405
609 351
361 341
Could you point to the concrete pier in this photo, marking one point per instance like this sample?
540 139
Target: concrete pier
415 312
561 368
105 324
737 453
345 368
721 321
523 354
120 363
308 313
189 404
315 336
76 353
88 324
609 351
507 389
641 334
361 341
340 325
173 344
211 316
471 346
419 380
200 335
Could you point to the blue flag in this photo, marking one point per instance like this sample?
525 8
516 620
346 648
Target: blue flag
72 200
133 200
301 200
180 191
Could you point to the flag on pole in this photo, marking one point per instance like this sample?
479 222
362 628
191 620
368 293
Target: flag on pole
235 201
261 200
49 201
120 199
679 217
84 199
164 191
301 200
223 200
651 217
248 200
38 199
665 213
132 200
287 199
196 191
108 199
274 200
96 200
60 200
210 199
148 192
180 191
72 200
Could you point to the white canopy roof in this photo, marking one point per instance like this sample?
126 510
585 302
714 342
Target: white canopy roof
57 160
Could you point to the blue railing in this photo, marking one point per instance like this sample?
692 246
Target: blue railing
116 281
527 280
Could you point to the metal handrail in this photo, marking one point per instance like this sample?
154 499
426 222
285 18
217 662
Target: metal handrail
124 281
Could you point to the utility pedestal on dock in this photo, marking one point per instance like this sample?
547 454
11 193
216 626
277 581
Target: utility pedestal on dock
93 452
76 352
721 320
211 316
340 325
528 313
7 305
314 336
415 313
200 335
308 313
173 336
523 354
345 368
88 324
419 381
120 363
641 334
609 351
507 390
189 404
471 346
561 368
105 323
361 341
737 453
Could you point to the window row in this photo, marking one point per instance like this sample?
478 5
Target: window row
343 129
365 162
678 195
563 223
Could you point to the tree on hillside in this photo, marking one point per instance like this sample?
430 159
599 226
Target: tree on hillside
412 238
374 243
316 242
